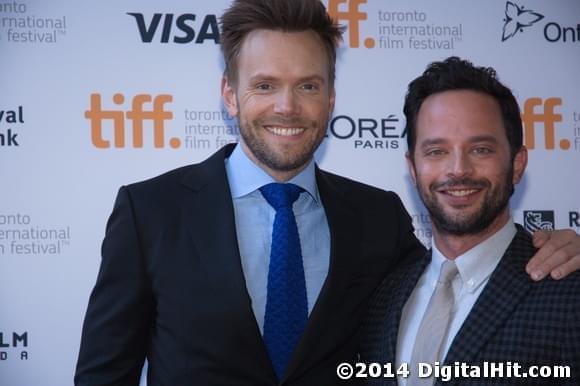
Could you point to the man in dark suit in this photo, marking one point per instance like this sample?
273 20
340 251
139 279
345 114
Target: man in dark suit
465 155
184 277
187 273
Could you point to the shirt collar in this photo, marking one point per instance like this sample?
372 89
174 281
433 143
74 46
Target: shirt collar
476 264
245 177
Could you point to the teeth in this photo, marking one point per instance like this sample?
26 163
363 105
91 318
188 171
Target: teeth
285 131
461 193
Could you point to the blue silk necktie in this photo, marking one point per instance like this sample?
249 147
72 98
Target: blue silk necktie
286 302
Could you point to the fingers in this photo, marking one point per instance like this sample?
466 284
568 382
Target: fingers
558 256
540 237
567 268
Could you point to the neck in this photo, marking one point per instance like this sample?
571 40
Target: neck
277 175
452 246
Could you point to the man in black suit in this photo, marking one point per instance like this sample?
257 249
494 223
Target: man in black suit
465 154
185 276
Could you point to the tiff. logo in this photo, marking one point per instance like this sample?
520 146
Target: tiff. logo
353 17
156 114
548 117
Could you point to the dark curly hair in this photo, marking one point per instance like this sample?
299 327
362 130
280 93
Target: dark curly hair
457 74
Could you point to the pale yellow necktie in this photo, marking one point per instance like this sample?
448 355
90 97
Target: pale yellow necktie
434 325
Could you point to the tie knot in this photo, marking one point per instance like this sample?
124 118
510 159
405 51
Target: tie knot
280 195
448 272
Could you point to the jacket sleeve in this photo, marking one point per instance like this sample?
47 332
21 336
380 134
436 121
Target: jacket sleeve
411 249
120 311
571 344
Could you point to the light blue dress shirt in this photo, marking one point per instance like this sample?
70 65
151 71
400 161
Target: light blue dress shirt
475 267
254 221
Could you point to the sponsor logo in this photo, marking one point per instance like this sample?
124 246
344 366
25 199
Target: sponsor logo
21 236
539 116
574 219
10 118
397 30
13 344
535 220
144 108
543 112
209 129
350 13
20 25
367 133
518 19
180 29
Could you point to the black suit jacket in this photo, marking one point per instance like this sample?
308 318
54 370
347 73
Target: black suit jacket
171 287
513 320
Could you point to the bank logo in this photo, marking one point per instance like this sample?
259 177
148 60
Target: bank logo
164 26
516 19
144 108
574 219
541 111
535 220
348 10
9 137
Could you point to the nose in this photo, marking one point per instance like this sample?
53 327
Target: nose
286 103
460 165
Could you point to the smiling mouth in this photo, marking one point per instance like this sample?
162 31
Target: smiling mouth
459 193
285 131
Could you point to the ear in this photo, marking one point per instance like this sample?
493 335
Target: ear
411 167
519 164
331 100
229 97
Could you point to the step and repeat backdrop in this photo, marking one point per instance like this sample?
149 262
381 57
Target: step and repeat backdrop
98 94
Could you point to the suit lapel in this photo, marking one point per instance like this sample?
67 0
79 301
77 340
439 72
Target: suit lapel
400 294
504 290
213 230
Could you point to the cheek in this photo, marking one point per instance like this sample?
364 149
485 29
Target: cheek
428 171
495 171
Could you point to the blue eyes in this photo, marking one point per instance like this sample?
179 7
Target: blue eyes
264 87
305 87
310 87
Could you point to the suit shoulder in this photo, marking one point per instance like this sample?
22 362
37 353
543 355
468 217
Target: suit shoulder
162 180
356 187
193 176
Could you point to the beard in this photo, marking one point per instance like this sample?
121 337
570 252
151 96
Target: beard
494 202
287 158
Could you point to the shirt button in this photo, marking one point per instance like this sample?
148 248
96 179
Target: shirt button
470 282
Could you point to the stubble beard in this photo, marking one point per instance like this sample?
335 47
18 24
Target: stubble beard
287 159
494 202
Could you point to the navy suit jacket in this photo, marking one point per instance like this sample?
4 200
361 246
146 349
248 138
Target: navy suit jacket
171 287
513 320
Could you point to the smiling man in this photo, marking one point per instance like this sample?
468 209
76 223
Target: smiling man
468 303
254 266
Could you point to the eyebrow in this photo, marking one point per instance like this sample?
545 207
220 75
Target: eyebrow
264 77
474 139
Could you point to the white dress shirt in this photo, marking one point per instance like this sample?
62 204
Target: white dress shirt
254 221
475 267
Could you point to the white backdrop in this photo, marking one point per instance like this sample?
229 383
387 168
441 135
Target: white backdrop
61 164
